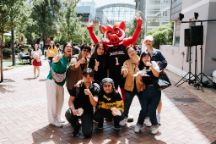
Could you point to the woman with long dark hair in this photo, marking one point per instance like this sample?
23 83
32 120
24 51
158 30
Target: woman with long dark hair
98 63
151 95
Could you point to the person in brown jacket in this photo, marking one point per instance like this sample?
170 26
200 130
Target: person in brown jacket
78 64
133 83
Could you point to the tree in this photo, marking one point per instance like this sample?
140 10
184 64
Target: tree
10 13
163 35
45 17
130 30
70 26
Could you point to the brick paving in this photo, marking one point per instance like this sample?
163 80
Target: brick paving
186 118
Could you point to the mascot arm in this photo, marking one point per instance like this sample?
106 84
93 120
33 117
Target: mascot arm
135 36
90 29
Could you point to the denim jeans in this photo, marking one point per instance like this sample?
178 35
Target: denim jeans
128 100
150 100
86 121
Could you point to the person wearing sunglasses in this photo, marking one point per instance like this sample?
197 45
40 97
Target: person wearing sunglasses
77 64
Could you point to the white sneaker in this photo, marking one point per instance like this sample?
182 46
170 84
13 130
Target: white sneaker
147 122
137 128
154 129
123 122
60 120
57 124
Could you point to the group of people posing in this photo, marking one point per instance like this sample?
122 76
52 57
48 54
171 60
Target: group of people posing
102 84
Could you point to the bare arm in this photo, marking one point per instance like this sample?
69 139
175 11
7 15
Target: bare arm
71 105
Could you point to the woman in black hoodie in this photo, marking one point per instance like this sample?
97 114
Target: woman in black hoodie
98 63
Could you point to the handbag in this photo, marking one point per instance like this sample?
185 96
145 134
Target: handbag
58 77
163 81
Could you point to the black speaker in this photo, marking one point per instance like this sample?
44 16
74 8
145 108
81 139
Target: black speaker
196 35
187 39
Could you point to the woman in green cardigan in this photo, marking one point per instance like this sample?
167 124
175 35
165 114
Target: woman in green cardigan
54 84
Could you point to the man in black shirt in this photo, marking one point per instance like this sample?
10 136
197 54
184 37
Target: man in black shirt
82 100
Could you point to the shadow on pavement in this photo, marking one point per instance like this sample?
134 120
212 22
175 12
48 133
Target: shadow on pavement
4 88
51 134
42 80
9 80
29 78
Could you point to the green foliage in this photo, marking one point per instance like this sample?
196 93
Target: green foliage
163 35
7 52
45 18
70 27
130 30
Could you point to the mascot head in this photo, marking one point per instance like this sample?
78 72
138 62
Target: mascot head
115 34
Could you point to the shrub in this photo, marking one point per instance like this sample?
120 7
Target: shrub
7 53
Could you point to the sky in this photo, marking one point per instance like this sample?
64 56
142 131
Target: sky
103 2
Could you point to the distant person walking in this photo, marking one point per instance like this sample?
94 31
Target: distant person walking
36 60
52 51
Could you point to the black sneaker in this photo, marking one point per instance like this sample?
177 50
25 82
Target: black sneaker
100 126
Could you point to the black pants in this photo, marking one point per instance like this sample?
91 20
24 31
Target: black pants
50 60
100 114
128 100
86 121
150 100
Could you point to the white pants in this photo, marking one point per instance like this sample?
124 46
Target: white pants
55 100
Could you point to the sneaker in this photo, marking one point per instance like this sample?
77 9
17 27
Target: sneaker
154 129
100 126
123 122
60 120
137 128
147 122
57 124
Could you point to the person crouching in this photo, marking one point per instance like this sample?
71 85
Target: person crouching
110 104
83 98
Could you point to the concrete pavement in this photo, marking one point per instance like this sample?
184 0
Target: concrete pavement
186 117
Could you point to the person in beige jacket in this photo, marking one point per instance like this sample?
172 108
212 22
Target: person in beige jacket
133 83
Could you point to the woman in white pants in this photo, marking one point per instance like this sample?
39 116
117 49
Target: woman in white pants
54 84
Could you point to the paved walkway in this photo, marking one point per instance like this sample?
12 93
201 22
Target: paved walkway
186 118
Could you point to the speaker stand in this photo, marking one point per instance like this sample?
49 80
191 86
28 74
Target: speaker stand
184 79
201 74
190 75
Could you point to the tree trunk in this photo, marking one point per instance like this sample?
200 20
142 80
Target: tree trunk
12 47
1 59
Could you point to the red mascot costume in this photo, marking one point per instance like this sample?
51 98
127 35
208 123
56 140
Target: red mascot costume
115 46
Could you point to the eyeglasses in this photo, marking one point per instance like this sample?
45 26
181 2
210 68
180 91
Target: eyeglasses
107 85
